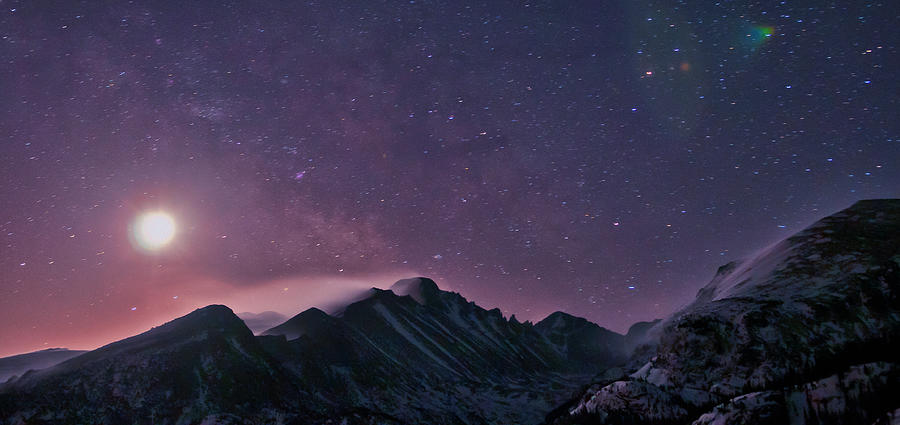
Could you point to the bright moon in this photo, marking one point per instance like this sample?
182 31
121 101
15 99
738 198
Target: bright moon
154 230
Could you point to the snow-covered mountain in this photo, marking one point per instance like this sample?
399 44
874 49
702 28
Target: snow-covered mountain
807 331
427 356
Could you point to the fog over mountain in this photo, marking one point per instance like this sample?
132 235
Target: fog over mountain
258 322
17 365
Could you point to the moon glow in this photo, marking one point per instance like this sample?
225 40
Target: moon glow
154 230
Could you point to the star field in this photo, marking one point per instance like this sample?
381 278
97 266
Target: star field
600 158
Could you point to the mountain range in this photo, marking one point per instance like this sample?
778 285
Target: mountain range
804 332
410 354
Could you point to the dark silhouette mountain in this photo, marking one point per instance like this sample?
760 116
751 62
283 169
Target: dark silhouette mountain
807 331
420 289
312 322
384 352
258 322
17 365
426 356
580 341
203 366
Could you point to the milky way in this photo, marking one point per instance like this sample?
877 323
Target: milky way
601 158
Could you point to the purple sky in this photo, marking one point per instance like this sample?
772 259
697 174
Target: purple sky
601 158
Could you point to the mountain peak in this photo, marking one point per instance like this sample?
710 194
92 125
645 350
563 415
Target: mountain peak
214 309
862 213
215 318
421 289
850 241
878 204
556 315
581 341
559 319
308 322
53 349
214 315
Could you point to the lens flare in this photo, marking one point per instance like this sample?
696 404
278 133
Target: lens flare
759 34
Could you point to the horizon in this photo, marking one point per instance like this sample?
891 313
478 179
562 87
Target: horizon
533 157
359 292
287 316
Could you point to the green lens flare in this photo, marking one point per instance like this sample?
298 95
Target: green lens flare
759 34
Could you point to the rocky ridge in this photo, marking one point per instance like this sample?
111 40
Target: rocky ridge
807 331
425 356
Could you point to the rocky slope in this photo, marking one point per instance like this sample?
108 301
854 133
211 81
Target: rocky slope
807 331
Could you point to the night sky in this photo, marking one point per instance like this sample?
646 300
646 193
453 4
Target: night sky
597 157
